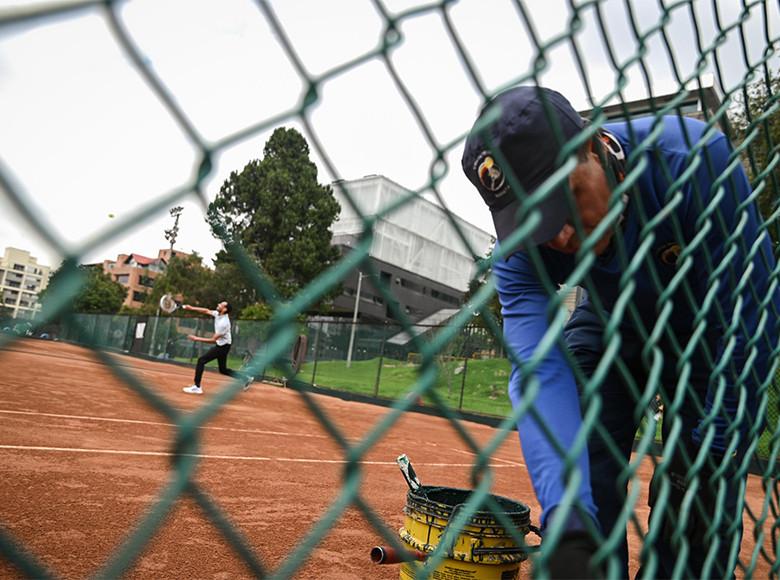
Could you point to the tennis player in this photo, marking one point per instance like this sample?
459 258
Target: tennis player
222 340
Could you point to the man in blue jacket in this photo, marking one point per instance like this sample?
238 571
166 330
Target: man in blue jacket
656 220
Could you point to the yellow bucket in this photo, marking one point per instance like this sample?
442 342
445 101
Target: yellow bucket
483 549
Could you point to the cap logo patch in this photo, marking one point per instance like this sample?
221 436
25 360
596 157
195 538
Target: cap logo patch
668 254
490 175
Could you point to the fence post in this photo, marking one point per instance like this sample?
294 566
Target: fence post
92 332
194 343
379 368
154 334
127 341
316 349
463 382
354 321
169 321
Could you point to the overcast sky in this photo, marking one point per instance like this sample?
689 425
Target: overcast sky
83 137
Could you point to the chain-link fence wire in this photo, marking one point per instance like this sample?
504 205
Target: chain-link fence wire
430 351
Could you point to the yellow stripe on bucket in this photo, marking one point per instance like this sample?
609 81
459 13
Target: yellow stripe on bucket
483 549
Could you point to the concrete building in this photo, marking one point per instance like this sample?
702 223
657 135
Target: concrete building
415 250
137 273
699 100
415 247
22 278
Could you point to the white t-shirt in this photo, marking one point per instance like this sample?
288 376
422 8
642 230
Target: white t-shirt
222 326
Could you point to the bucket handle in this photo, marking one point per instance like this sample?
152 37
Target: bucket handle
451 547
526 549
480 551
538 533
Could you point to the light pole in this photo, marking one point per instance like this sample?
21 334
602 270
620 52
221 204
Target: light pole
354 320
170 235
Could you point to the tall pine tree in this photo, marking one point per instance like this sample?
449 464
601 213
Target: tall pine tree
279 213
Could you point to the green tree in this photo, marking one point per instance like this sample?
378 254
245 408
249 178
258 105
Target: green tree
755 118
279 213
493 306
232 283
187 278
99 293
256 311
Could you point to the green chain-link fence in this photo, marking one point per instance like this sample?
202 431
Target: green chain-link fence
382 365
427 351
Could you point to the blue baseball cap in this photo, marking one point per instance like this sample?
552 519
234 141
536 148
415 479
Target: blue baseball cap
530 145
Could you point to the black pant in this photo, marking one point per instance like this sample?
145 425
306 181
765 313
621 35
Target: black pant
610 452
219 352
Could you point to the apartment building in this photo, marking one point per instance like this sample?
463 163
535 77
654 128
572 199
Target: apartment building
137 273
22 278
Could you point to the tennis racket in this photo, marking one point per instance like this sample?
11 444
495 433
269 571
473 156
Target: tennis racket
168 304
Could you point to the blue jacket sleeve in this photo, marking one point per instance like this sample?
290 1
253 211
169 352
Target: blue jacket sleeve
524 303
735 268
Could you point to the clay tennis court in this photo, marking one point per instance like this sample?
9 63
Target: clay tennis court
83 459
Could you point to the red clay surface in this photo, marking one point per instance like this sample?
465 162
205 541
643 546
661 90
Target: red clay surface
83 459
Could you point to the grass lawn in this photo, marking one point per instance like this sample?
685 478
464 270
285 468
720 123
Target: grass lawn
484 385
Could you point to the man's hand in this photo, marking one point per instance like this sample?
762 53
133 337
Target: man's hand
185 306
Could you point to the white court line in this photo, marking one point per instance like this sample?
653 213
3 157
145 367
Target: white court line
228 457
493 457
232 429
159 423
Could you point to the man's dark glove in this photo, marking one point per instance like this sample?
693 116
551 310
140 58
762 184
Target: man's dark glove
571 557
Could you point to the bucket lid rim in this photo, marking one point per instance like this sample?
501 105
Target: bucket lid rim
415 494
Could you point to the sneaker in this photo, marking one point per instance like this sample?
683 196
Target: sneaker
193 390
248 381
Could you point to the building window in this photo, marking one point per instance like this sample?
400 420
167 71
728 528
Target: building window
14 284
414 287
139 296
444 297
689 108
147 281
123 279
19 267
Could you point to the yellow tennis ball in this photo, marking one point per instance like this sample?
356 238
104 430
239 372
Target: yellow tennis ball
111 216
